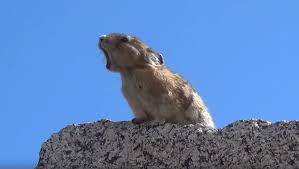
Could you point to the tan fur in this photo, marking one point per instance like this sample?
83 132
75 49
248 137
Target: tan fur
151 89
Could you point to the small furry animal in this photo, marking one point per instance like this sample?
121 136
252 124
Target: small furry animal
151 89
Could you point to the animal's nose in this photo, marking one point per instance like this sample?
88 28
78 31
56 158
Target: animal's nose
102 37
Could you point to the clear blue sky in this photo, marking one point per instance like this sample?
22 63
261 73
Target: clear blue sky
242 56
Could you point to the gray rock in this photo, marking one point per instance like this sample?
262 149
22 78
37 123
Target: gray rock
105 144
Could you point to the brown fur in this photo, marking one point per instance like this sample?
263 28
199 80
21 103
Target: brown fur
151 89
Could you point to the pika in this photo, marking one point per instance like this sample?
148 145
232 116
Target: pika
150 88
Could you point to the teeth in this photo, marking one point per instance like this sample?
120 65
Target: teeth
102 37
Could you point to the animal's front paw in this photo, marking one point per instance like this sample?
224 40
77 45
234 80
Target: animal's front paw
138 120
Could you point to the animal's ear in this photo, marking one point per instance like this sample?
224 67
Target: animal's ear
154 58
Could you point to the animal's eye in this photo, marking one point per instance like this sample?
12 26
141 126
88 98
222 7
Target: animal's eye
124 39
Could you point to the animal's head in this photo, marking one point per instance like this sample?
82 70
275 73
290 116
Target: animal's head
127 52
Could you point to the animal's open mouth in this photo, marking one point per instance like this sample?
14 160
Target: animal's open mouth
107 58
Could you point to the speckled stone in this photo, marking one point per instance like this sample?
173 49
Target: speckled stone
114 145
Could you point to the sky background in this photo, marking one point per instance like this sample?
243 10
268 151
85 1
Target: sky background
242 57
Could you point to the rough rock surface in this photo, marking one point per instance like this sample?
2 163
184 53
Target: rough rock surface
105 144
